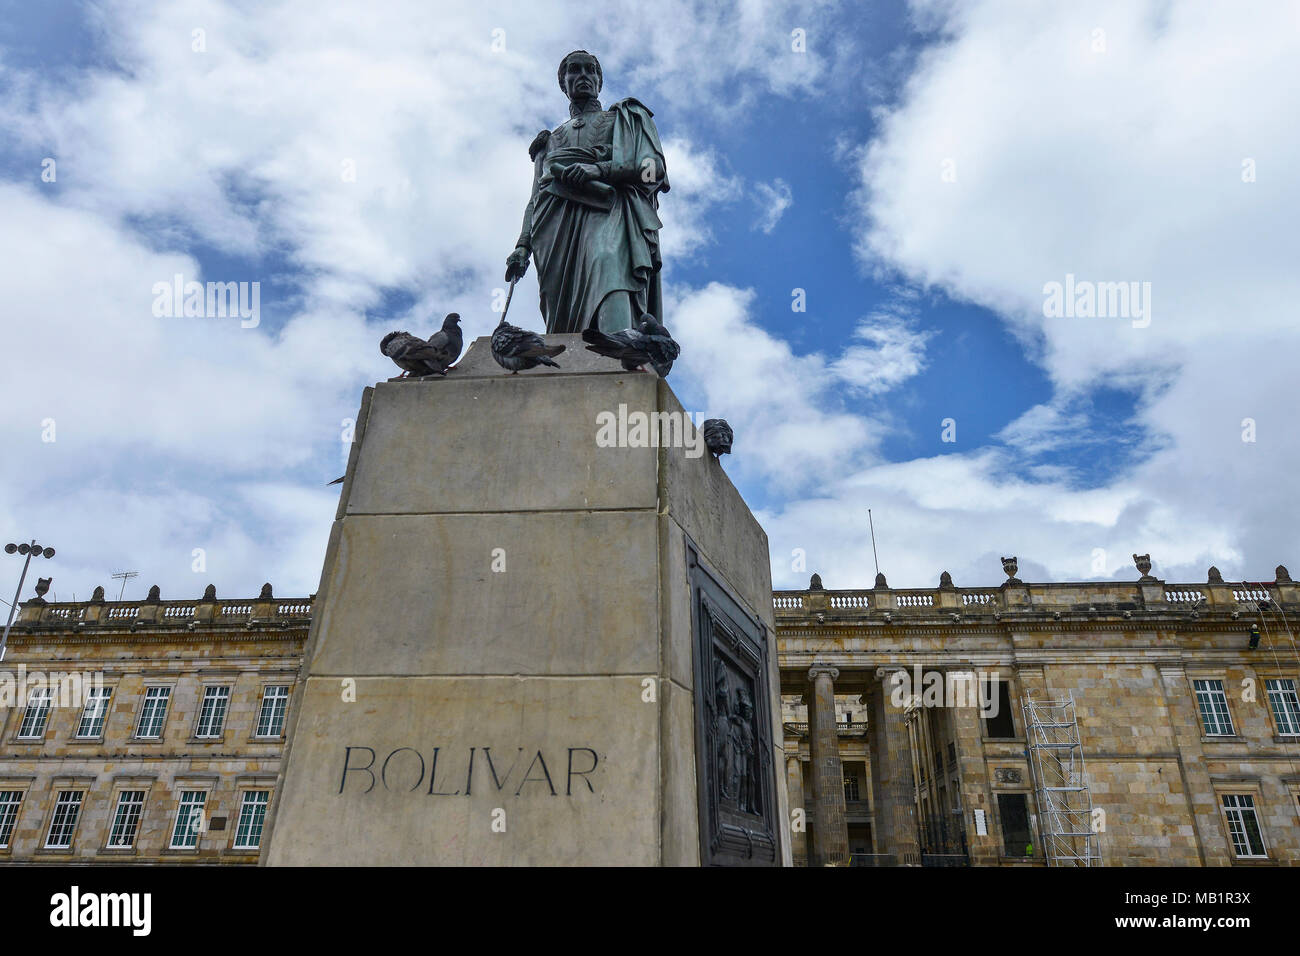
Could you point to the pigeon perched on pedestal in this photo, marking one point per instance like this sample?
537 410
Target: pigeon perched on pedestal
417 357
649 343
717 436
517 349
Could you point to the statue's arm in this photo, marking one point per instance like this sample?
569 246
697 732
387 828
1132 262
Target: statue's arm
641 158
649 170
536 152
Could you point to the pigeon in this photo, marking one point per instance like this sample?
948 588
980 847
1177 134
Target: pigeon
417 357
717 436
517 349
649 343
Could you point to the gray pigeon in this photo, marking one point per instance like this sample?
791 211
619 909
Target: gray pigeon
417 357
649 343
717 436
517 349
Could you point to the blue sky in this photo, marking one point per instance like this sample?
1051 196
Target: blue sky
920 170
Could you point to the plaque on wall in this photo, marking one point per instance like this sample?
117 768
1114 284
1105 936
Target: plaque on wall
733 728
1006 775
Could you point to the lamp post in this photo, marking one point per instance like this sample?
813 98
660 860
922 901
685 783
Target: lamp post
31 550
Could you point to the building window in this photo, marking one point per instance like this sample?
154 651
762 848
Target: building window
9 803
1243 825
154 712
1285 705
270 722
36 715
212 715
851 787
96 709
952 756
998 724
1213 705
252 814
126 820
1015 824
189 820
64 822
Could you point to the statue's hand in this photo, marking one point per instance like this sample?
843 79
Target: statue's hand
516 263
578 173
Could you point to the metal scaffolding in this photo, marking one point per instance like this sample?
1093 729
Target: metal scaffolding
1067 831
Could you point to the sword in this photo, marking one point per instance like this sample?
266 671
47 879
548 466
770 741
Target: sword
509 295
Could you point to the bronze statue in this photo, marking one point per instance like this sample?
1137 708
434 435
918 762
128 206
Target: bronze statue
592 222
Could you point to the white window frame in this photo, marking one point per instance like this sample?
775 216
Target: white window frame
271 696
41 698
1237 832
249 803
128 811
1212 694
95 714
216 693
162 699
74 799
1284 705
11 802
189 807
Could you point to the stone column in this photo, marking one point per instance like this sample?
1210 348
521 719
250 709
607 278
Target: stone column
973 779
830 831
891 776
794 784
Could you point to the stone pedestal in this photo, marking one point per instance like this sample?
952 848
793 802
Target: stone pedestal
539 638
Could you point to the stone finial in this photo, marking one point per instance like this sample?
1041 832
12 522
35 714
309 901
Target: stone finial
1280 573
945 581
210 592
155 595
1143 562
43 585
815 583
880 581
1214 577
266 592
97 597
1011 566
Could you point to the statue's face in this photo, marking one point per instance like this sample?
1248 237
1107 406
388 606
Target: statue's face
581 82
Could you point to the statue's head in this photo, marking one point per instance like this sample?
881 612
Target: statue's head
580 76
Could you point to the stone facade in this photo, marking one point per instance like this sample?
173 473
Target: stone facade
1188 739
90 783
1164 789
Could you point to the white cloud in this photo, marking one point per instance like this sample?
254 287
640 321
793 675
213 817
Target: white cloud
895 353
1117 165
175 434
698 184
772 199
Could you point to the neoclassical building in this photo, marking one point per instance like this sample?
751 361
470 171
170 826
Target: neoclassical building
145 732
1022 725
1044 724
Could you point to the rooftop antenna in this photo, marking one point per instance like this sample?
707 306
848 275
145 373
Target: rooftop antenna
125 576
873 541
